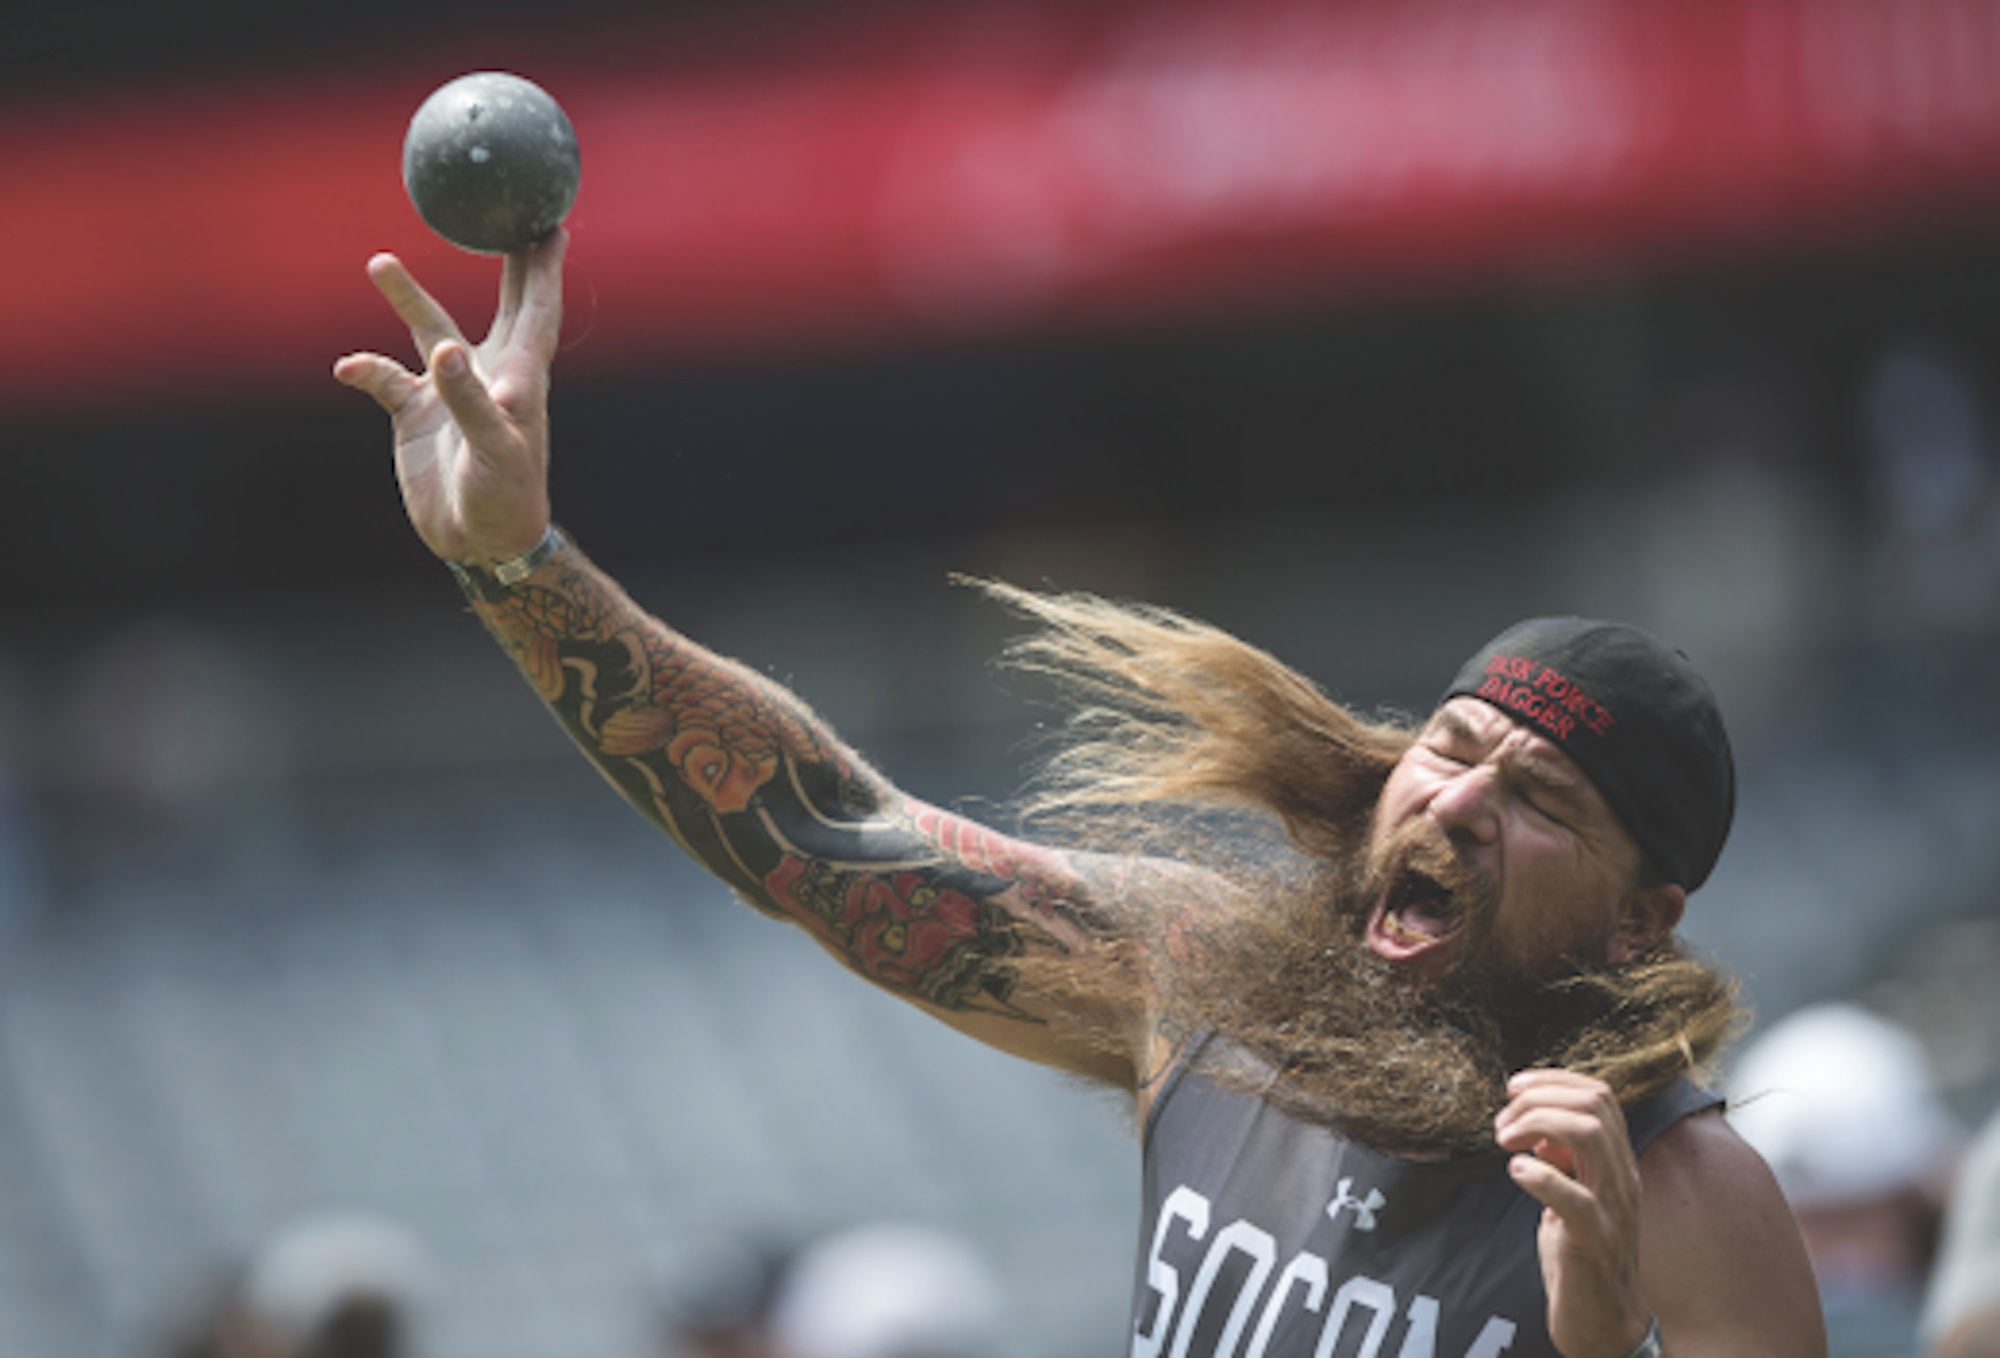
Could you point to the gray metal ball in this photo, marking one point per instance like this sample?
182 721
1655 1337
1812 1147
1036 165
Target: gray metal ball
491 163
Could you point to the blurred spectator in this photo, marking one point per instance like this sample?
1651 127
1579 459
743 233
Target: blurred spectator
1842 1105
341 1286
161 716
1962 1311
221 1326
1977 1336
1736 555
889 1291
1931 460
335 1286
1945 989
723 1310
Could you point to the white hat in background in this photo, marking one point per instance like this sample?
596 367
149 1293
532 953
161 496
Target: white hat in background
889 1291
313 1266
1842 1105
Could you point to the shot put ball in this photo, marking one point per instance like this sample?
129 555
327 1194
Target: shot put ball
491 163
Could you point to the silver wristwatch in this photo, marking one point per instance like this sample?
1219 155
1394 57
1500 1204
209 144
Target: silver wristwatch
490 586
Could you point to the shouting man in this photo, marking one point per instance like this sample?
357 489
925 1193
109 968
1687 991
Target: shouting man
1413 1069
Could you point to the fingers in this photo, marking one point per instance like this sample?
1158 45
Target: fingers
1577 1152
1576 1160
1531 1089
485 427
1571 1165
389 382
1574 1142
540 317
429 322
1552 1188
1570 1121
513 280
1553 1077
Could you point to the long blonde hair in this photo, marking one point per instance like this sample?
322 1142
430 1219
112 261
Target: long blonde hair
1168 712
1179 735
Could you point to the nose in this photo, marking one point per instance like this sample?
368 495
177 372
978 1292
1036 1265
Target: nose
1467 805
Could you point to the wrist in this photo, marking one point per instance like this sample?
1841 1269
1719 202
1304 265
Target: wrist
487 582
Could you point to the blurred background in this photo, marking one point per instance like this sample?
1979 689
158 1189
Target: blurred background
1359 329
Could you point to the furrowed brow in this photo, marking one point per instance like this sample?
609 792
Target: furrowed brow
1542 772
1453 724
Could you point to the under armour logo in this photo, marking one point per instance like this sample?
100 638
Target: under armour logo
1364 1208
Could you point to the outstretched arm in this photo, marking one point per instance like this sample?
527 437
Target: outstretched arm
1002 939
931 907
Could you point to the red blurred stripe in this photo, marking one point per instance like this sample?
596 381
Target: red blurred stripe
1004 166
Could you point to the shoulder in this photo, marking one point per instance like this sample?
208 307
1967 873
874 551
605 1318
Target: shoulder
1702 1153
1720 1255
1707 1190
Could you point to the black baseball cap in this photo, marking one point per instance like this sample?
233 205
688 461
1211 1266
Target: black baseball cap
1637 719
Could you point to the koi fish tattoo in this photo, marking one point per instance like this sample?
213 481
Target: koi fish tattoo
760 792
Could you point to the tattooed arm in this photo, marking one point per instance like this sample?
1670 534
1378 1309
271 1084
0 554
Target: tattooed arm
1001 939
750 782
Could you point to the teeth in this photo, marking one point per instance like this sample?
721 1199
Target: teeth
1402 932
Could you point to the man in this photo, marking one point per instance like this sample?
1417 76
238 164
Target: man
1962 1311
342 1285
1842 1104
1413 1085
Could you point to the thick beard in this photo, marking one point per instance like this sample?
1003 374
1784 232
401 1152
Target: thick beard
1309 1018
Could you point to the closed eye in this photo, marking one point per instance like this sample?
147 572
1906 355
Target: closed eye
1550 799
1447 756
1543 811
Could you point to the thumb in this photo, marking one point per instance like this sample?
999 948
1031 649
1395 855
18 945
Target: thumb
485 426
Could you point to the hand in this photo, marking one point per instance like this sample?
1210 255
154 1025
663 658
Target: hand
1576 1159
472 433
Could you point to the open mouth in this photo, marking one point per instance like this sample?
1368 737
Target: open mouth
1414 916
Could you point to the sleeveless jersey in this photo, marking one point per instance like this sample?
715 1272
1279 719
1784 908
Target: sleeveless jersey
1268 1237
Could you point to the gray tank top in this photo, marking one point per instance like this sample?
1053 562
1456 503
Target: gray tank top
1267 1237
